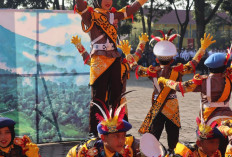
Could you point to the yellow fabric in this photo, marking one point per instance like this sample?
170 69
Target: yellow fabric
102 21
171 111
182 150
207 112
155 108
98 65
228 152
129 140
72 152
108 153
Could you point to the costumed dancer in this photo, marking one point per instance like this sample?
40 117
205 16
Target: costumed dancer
165 109
105 70
215 90
125 68
11 146
113 141
207 144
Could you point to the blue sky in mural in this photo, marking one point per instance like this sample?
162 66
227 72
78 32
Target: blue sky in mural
56 54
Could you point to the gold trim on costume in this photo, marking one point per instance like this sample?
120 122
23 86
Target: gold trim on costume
156 106
99 64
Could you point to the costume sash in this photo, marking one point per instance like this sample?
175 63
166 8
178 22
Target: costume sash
157 105
99 64
225 94
102 21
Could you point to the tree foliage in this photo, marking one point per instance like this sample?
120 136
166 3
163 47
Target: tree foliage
204 12
187 4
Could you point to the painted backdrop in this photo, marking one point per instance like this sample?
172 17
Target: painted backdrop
43 80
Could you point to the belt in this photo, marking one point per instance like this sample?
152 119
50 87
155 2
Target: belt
217 104
106 46
170 96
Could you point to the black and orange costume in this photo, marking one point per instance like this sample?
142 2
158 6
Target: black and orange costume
165 108
215 90
105 70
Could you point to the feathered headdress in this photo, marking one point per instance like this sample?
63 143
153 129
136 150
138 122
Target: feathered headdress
167 37
111 122
205 131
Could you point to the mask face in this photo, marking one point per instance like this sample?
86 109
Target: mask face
106 4
5 137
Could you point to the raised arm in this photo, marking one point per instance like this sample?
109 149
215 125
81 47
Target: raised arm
190 67
128 11
85 55
132 59
82 8
193 85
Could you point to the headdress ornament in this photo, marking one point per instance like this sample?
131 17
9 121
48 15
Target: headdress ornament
205 131
111 122
164 47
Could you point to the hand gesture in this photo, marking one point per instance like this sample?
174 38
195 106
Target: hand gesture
33 150
207 41
125 47
75 40
143 38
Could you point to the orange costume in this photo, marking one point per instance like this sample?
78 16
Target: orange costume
105 66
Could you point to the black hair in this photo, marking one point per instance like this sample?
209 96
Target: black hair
218 70
97 3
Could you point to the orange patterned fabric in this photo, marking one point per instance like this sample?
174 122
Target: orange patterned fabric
99 64
171 111
156 105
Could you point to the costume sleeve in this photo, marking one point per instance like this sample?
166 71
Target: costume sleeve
81 49
190 67
72 152
182 151
143 39
128 11
226 128
193 85
150 71
82 8
132 59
